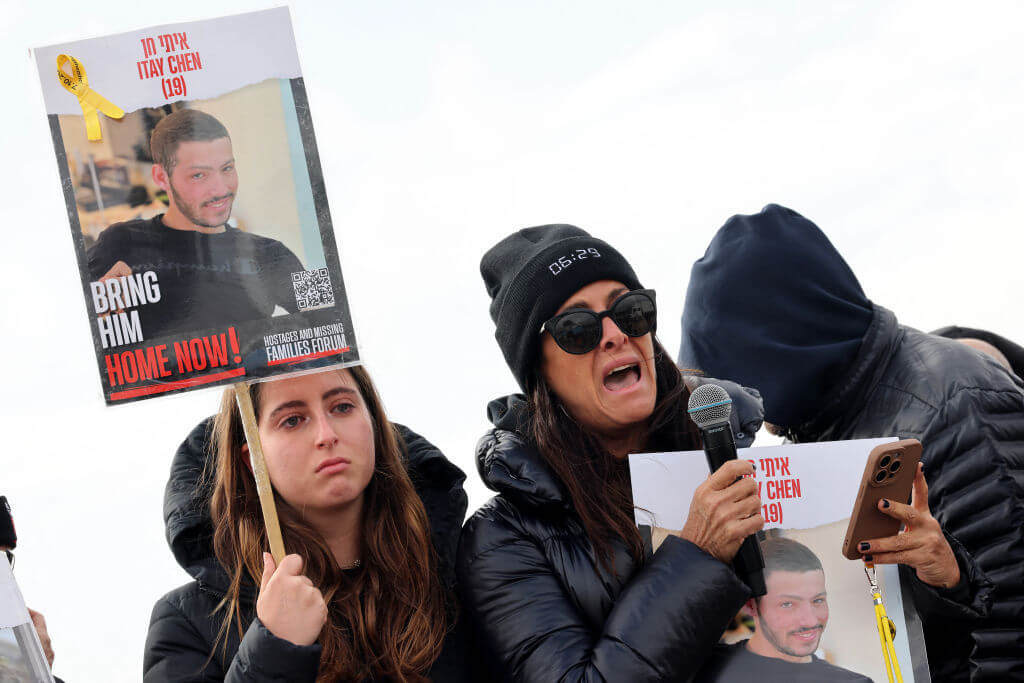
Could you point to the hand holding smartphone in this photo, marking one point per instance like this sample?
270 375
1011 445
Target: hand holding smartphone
888 473
891 475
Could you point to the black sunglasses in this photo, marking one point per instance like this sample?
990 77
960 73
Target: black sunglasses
579 331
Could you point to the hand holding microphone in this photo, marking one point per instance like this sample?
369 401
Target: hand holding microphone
726 509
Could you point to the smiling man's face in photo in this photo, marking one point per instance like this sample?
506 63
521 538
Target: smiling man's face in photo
792 616
203 182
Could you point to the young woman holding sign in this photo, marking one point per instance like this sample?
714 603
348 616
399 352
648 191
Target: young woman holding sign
370 513
554 574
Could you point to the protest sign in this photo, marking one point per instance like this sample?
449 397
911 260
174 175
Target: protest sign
807 493
197 205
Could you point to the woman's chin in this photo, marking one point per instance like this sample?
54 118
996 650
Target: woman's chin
328 501
624 420
631 405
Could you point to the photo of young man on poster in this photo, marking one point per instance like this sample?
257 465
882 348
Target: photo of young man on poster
790 620
197 207
205 271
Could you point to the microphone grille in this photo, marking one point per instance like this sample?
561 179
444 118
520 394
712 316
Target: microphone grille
709 405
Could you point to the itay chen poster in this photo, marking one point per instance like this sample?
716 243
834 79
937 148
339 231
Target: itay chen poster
817 621
196 205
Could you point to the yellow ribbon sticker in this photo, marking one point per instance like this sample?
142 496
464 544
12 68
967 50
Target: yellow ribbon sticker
78 85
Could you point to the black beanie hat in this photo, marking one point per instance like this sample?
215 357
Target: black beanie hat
531 273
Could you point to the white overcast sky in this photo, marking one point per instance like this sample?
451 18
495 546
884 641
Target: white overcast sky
444 126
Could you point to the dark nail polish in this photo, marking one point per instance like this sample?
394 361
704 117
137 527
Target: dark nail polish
885 502
865 546
869 558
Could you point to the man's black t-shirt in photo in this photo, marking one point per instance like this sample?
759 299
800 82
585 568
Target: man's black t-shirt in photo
206 280
729 663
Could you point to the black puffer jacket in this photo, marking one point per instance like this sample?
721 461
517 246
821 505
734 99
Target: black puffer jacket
1014 352
182 631
541 605
832 365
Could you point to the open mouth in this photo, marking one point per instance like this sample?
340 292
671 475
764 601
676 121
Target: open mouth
622 377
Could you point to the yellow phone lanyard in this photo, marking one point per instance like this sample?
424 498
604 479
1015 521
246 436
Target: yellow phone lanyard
886 628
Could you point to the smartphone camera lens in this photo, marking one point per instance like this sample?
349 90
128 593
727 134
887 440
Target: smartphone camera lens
895 466
880 476
884 462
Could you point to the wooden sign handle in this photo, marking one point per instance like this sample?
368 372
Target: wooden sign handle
259 470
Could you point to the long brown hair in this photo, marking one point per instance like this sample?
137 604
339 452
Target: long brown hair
388 620
597 482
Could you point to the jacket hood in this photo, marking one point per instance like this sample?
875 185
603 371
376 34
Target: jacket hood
509 464
773 305
189 529
1013 352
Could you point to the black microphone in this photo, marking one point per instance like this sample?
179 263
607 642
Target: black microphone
709 408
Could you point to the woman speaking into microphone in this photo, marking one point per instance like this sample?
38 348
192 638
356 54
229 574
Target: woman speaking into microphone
552 570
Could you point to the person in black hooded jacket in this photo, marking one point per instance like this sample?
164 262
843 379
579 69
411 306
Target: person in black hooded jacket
773 305
553 571
192 637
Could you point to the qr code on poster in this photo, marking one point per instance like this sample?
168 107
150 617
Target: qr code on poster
313 289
